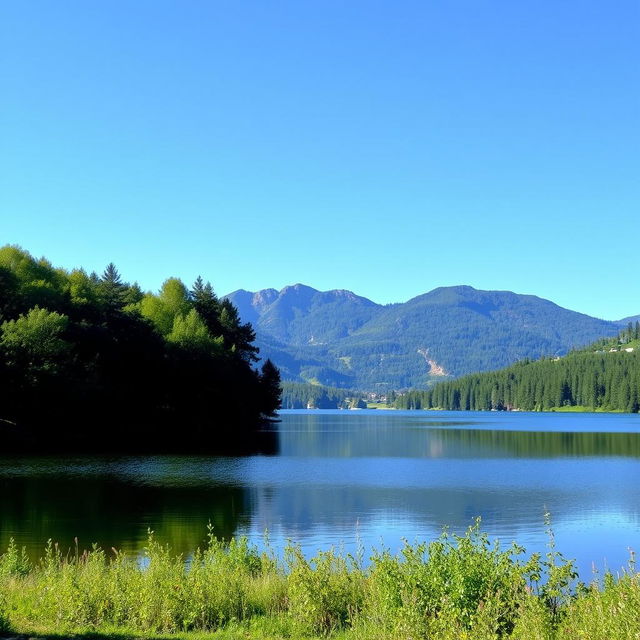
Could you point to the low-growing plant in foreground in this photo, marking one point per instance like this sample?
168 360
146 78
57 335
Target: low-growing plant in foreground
454 588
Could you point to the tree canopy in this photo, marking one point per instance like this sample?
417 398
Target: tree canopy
91 362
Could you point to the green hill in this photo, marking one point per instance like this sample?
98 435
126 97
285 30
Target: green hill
602 377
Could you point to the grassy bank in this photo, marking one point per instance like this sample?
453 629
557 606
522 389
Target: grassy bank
451 589
581 409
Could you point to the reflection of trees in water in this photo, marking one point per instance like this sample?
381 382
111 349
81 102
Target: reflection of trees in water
541 444
113 513
373 441
112 507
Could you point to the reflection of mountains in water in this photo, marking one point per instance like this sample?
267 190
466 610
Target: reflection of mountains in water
457 443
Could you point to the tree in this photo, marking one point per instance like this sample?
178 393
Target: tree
82 288
9 300
206 303
271 390
237 335
191 333
112 289
35 340
172 301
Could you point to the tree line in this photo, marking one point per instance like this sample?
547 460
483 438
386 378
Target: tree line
604 376
92 362
301 395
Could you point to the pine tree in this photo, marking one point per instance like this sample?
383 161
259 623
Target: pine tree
271 390
112 289
207 305
237 335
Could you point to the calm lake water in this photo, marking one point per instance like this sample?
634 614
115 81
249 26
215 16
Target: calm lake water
341 477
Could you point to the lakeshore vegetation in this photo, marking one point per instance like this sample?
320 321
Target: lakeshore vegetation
602 377
454 588
301 395
91 362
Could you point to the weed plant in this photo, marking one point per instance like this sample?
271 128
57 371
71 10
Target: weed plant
455 588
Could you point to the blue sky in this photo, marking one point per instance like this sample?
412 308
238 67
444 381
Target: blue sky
383 147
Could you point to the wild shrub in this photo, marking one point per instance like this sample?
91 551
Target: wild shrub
4 618
457 579
216 589
608 613
14 561
558 575
534 620
455 588
324 593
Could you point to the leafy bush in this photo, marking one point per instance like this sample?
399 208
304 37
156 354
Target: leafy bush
455 588
455 578
326 592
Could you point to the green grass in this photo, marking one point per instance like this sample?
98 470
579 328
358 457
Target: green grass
455 588
581 409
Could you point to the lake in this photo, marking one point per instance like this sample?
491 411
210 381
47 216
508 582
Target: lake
349 478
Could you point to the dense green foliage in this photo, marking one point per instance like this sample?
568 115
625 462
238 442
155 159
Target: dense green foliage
456 587
605 376
299 395
91 362
338 339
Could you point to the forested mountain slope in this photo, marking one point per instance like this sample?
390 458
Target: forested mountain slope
604 376
340 339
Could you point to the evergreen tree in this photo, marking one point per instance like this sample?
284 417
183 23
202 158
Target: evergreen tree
270 388
238 336
206 303
112 289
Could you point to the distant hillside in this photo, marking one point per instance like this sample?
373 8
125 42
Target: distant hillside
300 395
602 377
340 339
301 316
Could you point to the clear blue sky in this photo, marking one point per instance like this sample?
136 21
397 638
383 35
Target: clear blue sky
383 147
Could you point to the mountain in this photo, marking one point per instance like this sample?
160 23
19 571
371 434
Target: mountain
300 315
340 339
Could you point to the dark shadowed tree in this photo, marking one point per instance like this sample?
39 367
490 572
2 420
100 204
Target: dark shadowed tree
270 388
207 305
8 293
236 335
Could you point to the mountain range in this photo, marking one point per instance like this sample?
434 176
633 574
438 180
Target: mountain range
340 339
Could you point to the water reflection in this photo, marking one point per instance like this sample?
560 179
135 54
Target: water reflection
346 476
463 442
114 512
